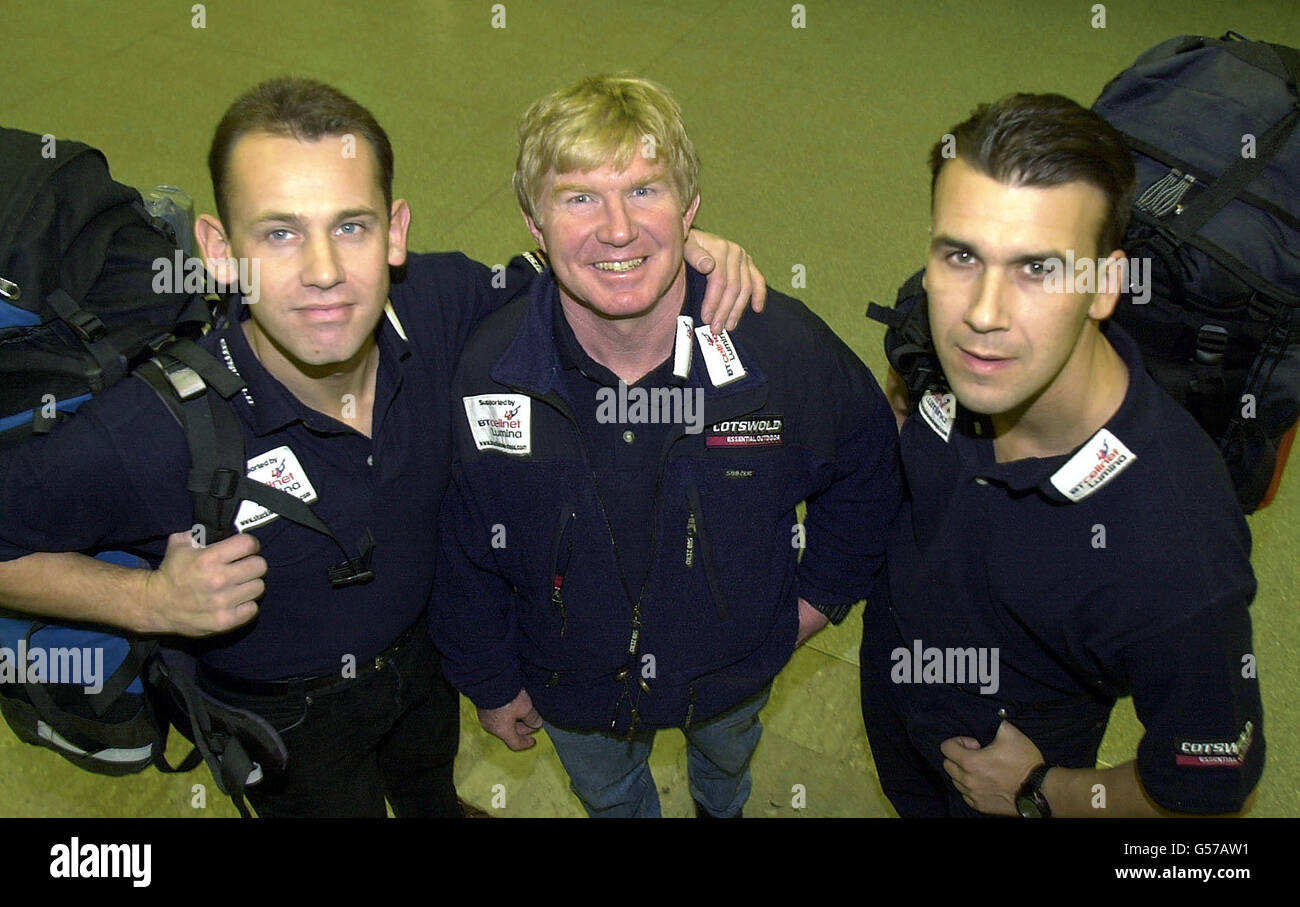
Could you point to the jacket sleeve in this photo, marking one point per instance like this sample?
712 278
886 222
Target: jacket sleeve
1196 693
847 522
110 477
472 617
460 292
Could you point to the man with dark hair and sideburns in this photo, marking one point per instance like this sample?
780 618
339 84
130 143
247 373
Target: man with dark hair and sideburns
1067 521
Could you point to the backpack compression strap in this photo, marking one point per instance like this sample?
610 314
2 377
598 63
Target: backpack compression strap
1243 172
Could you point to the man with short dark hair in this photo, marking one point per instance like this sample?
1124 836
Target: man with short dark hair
1071 535
347 382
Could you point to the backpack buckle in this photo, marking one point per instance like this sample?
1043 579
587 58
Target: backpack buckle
1211 342
184 380
88 327
224 484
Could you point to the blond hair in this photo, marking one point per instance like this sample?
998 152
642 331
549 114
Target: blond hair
600 121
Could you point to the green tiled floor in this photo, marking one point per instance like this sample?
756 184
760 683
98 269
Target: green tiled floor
813 142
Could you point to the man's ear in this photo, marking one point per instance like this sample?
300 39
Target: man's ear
688 217
217 255
1113 278
399 221
536 231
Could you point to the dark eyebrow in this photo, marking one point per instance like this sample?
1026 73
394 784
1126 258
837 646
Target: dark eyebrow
279 217
1027 257
293 220
355 213
956 245
1022 258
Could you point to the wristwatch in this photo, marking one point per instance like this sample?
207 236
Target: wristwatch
1030 802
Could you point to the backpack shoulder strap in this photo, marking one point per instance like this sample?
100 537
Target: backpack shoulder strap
908 345
182 374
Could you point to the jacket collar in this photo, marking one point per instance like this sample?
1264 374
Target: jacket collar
532 361
269 406
1130 425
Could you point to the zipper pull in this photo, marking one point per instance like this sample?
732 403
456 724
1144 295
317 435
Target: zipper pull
9 290
557 598
557 594
613 722
690 539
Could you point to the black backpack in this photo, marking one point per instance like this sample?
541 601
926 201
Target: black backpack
1221 332
78 308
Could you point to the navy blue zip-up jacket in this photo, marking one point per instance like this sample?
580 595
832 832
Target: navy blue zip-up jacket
529 593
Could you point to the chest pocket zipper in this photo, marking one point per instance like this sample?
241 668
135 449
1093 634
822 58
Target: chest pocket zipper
697 539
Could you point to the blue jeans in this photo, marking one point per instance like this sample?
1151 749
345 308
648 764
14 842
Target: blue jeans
611 775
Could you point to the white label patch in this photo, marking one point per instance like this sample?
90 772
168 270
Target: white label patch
939 412
279 469
501 422
682 347
1095 464
720 356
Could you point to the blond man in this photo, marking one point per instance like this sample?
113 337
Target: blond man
621 547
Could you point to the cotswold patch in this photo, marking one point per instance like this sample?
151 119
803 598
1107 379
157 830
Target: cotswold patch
762 430
1216 753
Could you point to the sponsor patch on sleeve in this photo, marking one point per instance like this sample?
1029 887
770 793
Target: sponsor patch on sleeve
501 422
1216 753
720 356
279 469
1095 464
763 430
939 412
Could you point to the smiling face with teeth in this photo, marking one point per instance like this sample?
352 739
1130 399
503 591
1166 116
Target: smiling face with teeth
615 238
